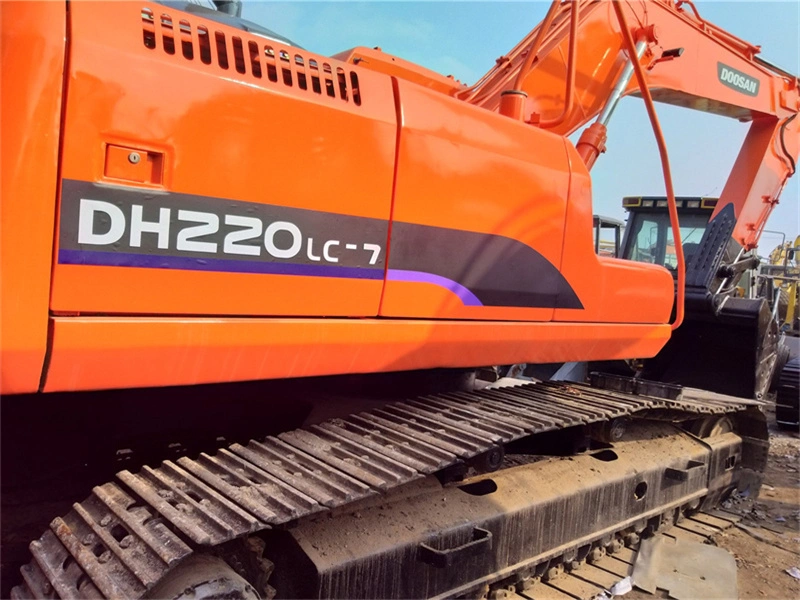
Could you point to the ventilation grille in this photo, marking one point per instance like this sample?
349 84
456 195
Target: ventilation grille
248 57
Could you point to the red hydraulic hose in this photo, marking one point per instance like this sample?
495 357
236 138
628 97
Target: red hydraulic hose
662 149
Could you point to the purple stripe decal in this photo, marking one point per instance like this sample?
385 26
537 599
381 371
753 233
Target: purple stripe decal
150 261
467 297
121 259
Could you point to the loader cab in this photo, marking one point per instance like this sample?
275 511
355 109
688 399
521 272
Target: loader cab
607 234
648 236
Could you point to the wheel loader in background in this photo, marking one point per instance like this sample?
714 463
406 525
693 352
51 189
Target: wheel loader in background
779 279
211 235
730 340
719 338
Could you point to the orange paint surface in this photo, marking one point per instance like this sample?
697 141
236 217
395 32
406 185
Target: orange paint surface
31 68
225 134
99 353
691 80
612 290
218 114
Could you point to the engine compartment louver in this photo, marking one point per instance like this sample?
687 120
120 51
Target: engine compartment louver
262 61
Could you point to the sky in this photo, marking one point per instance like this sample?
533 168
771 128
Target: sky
464 38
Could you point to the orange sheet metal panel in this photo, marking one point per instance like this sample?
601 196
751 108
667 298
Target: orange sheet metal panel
708 75
478 219
267 181
99 353
612 290
31 78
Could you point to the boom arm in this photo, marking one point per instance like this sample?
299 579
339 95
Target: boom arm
688 62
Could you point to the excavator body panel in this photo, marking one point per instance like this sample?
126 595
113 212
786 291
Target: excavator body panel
247 192
227 202
31 77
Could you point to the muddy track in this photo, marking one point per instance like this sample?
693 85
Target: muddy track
129 534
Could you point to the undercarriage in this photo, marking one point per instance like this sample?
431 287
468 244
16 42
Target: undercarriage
455 494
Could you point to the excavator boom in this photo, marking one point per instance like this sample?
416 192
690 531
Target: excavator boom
689 63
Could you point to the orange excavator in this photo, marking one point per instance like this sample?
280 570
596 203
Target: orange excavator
210 235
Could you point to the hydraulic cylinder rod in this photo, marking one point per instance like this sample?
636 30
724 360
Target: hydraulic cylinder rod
593 139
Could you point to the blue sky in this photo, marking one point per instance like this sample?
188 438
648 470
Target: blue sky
464 38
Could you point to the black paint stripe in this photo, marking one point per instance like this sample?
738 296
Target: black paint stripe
495 270
498 270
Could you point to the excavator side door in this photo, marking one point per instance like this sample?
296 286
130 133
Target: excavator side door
478 218
210 171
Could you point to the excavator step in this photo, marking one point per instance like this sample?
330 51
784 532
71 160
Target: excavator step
129 534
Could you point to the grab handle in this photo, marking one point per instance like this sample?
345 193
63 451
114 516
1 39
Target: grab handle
481 541
682 474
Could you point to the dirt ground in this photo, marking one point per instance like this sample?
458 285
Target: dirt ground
768 544
771 543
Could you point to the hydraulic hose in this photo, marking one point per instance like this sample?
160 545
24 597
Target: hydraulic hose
783 143
630 46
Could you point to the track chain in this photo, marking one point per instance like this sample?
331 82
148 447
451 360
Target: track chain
596 575
128 534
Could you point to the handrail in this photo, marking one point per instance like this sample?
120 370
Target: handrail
537 43
569 95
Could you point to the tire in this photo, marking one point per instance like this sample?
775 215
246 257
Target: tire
783 354
783 305
787 397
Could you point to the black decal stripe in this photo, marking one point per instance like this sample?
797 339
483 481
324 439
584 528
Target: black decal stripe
499 271
480 268
317 225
